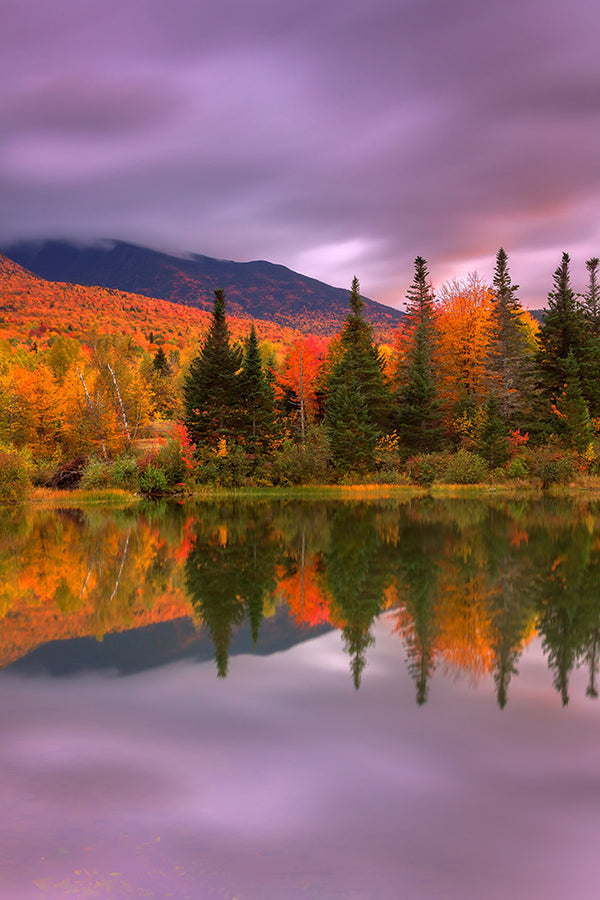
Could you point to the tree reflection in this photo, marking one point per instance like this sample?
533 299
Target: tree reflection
229 570
356 578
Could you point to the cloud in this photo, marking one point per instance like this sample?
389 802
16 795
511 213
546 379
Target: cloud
281 132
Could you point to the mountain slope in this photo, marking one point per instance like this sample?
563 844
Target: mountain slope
254 289
31 307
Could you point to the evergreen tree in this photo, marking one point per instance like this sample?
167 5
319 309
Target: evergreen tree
591 299
211 385
160 363
257 397
419 416
492 441
574 410
510 360
356 388
562 332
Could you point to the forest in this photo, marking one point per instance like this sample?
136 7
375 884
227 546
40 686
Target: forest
128 392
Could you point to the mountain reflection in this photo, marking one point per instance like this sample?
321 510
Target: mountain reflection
466 583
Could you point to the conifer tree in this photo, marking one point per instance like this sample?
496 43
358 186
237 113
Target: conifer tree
257 397
160 363
357 397
510 360
492 441
562 332
591 298
211 385
574 410
419 416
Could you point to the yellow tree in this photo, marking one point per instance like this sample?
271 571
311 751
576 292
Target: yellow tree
466 327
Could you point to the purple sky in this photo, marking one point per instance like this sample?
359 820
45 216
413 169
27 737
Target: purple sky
337 137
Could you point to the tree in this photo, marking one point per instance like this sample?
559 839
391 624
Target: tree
210 387
562 332
466 329
357 398
160 363
591 299
257 398
418 413
510 360
573 410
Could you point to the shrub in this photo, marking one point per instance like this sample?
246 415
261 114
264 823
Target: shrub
15 468
465 467
425 468
153 480
552 465
96 475
123 472
517 468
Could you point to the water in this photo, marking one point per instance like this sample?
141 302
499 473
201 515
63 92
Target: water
301 700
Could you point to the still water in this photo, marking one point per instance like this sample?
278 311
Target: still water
279 701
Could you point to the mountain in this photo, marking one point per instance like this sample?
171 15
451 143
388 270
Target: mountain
253 289
34 309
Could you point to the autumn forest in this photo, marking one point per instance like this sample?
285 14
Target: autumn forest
102 388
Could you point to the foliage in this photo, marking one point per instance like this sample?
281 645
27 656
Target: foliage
15 468
551 465
211 385
425 468
465 467
418 411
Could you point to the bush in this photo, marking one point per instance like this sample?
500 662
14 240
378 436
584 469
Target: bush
153 480
465 467
96 475
425 468
15 469
123 472
552 465
517 468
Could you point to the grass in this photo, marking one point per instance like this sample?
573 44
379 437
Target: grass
588 485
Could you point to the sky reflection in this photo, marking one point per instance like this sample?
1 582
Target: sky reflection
281 782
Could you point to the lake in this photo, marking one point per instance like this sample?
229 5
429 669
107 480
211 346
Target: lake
282 700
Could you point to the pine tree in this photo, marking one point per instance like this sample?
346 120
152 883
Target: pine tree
492 442
357 397
562 331
510 360
160 363
210 387
419 416
574 410
591 299
257 397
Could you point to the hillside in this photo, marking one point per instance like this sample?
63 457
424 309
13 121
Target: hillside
33 308
257 289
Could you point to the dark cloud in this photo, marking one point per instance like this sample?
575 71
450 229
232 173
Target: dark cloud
341 137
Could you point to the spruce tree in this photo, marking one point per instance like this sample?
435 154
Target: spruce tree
418 415
257 398
357 397
562 332
572 407
510 362
160 363
211 385
591 298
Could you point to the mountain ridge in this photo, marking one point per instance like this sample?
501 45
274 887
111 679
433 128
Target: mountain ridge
257 288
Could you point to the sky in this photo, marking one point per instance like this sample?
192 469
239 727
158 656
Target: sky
337 137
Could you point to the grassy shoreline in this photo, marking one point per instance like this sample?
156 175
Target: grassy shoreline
588 487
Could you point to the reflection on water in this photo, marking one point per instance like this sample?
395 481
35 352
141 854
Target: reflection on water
467 583
283 780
